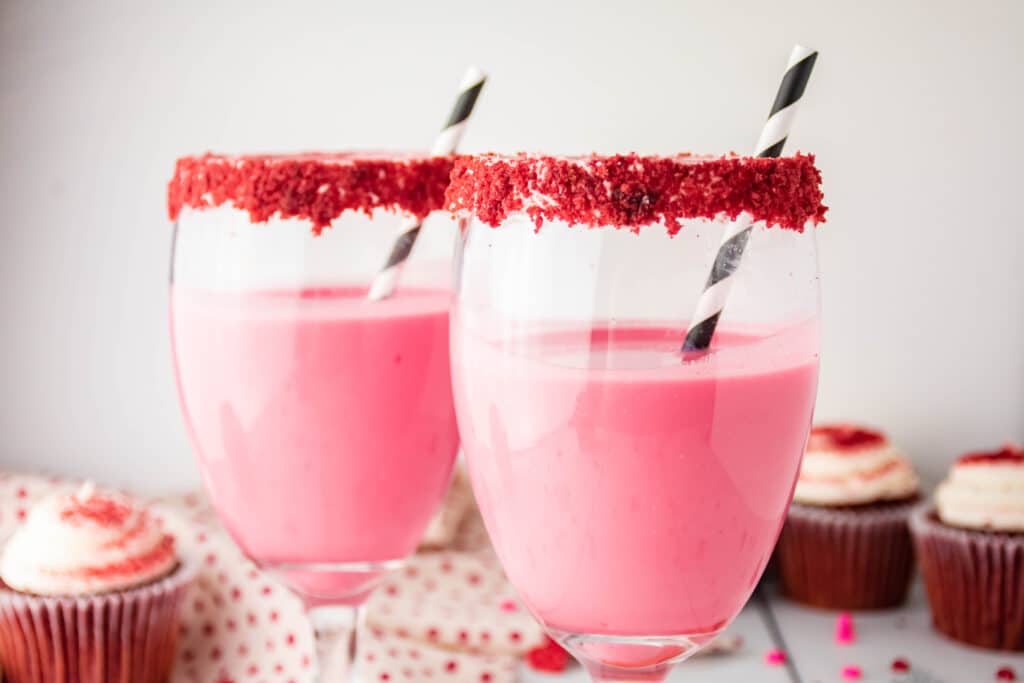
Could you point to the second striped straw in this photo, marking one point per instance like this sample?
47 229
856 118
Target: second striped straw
734 241
446 143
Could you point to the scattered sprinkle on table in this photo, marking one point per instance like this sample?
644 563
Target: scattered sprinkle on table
844 631
775 657
900 666
1006 674
851 673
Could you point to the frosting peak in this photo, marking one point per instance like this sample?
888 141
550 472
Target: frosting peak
84 544
851 465
984 490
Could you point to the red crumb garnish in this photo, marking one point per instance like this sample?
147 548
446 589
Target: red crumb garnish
900 666
631 191
548 657
775 657
1006 674
844 632
1008 454
97 509
851 673
315 187
843 437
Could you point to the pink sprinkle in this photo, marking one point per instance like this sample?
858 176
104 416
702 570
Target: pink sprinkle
844 629
851 673
775 657
508 606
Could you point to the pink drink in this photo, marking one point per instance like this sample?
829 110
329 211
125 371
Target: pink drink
323 422
627 492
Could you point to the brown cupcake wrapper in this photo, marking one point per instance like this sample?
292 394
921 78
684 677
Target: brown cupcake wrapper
847 558
974 580
121 637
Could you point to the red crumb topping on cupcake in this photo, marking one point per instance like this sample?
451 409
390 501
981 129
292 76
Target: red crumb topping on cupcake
102 511
317 187
844 438
631 191
1009 454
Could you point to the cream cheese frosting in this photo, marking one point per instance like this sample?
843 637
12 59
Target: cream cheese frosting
84 544
984 491
850 465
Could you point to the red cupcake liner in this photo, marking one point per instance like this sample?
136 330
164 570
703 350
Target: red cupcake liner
847 558
974 580
121 637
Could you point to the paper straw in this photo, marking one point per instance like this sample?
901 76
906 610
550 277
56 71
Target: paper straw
446 143
734 241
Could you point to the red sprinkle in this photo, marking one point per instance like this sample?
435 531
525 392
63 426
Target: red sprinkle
900 666
317 187
97 509
1006 674
843 437
550 657
775 657
1008 454
851 673
844 631
631 191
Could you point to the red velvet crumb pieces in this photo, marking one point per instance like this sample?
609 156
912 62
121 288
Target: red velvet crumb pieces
1006 674
631 191
550 657
316 187
844 437
97 509
1008 454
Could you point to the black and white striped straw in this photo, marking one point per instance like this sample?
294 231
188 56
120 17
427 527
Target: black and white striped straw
734 241
446 143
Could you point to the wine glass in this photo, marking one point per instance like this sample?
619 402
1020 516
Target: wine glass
633 493
322 421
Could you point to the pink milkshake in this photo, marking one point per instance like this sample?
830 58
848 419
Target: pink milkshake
323 422
628 492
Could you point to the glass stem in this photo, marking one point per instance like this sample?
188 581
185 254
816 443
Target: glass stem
336 629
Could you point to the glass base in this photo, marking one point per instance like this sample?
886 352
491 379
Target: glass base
630 658
331 584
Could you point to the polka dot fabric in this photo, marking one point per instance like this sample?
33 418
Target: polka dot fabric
448 615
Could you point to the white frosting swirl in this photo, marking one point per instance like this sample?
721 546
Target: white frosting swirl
847 465
984 491
85 544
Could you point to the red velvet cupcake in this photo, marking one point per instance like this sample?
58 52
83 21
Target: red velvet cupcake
846 541
970 547
90 589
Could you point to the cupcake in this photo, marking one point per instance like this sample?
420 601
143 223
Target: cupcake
846 541
970 546
90 589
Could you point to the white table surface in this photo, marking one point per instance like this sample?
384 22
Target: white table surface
808 638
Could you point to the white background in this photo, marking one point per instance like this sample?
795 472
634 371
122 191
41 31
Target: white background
914 110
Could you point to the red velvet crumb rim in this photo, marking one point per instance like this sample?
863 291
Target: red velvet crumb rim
315 186
1007 455
844 438
632 191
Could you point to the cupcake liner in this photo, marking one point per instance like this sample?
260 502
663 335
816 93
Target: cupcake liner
847 558
974 580
121 637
